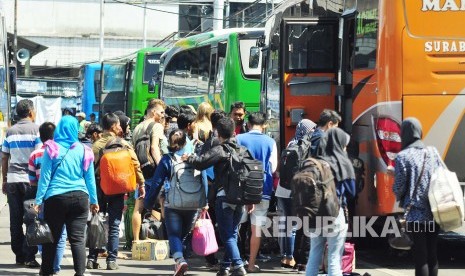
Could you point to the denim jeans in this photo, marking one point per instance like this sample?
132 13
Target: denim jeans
335 241
286 244
70 209
17 193
60 247
178 224
228 217
60 251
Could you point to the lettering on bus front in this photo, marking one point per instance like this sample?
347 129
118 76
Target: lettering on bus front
367 22
440 46
448 5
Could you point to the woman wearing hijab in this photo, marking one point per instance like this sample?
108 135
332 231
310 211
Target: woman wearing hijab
334 153
304 128
414 167
297 240
66 185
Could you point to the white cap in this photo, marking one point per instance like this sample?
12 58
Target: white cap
81 114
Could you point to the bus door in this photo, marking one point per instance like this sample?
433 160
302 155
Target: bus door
113 78
344 100
309 70
212 92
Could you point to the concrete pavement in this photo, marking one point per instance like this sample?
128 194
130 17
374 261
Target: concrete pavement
375 262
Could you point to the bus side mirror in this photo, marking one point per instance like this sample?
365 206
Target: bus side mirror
254 58
151 86
155 81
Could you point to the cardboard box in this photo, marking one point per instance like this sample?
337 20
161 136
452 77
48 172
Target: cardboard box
149 250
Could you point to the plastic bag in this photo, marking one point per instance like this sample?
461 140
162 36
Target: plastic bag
152 228
203 236
97 232
446 198
30 214
38 232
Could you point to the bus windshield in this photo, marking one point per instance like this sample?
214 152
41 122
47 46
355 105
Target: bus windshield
114 77
151 65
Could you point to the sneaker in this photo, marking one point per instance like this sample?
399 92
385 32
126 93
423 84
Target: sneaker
223 272
239 271
92 265
32 264
180 268
112 266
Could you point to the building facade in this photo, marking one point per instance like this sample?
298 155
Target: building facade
71 28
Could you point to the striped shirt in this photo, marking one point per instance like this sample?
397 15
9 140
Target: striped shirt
35 161
20 141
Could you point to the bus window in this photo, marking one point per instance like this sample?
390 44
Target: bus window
204 66
114 76
366 35
97 87
151 65
311 48
222 46
245 46
187 73
213 63
350 4
132 72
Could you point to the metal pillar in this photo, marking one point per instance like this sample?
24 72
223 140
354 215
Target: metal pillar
218 9
100 55
145 25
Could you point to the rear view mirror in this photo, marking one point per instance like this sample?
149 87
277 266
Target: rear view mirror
155 81
254 57
151 86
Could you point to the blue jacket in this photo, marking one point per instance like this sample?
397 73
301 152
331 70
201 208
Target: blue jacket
68 165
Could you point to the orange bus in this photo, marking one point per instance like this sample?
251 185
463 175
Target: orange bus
376 62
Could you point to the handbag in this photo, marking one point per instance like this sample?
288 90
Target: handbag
404 242
38 233
446 198
203 236
37 230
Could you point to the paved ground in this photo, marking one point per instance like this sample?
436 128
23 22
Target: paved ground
377 261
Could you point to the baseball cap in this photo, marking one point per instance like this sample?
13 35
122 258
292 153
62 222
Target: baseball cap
81 114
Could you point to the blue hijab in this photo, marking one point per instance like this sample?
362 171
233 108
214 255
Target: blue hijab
66 132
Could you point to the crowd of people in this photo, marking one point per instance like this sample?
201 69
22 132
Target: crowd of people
59 167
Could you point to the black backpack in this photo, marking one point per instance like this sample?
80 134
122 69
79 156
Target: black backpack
142 149
245 177
291 160
314 191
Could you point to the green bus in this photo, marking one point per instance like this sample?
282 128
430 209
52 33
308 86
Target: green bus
126 82
215 67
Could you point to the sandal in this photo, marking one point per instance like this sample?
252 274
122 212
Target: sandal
288 263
